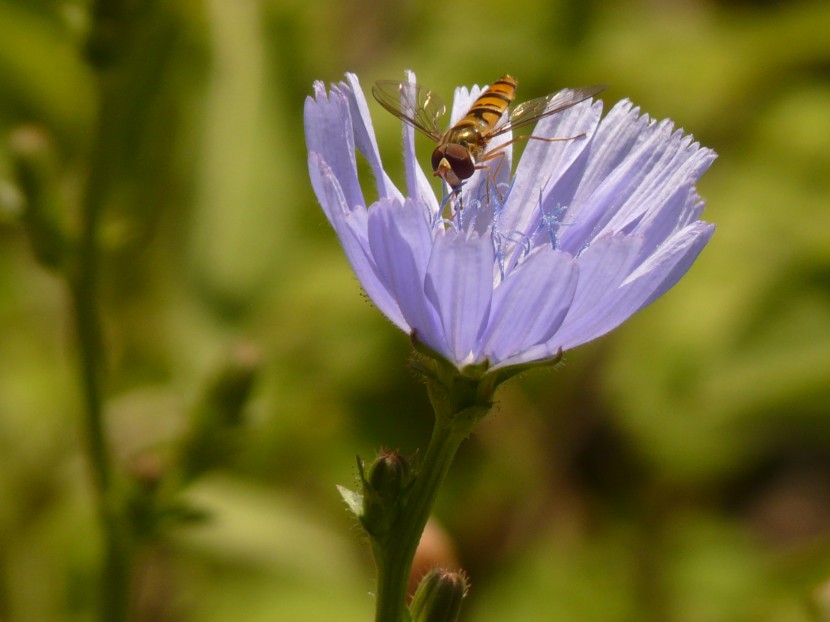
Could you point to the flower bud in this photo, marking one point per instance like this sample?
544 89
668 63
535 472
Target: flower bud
439 595
389 476
385 486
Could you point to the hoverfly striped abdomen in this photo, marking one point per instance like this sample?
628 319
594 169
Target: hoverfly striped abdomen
489 107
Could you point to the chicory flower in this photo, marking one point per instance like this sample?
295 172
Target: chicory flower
586 232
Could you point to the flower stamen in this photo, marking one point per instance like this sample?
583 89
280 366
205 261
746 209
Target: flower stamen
551 222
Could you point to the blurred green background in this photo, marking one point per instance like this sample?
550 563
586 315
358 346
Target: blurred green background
677 470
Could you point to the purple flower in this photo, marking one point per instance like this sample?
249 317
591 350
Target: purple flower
587 232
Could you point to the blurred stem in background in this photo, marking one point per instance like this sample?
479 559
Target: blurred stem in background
77 258
38 174
126 49
106 34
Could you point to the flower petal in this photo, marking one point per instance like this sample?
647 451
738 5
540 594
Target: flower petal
364 135
530 304
459 284
681 209
417 183
673 260
328 131
602 269
609 174
648 282
674 162
543 163
617 135
400 240
350 226
637 183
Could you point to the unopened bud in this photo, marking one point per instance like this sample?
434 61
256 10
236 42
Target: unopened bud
439 595
385 486
389 476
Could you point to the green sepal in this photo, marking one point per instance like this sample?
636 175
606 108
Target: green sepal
454 391
508 373
456 394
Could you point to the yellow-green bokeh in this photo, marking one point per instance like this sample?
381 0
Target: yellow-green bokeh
677 470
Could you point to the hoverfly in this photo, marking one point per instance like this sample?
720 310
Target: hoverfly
463 148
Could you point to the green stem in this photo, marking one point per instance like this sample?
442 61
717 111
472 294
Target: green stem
394 561
84 285
117 564
87 329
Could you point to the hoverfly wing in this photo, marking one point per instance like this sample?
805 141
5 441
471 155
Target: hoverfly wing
419 107
535 109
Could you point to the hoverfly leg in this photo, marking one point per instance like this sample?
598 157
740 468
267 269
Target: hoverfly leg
491 172
550 140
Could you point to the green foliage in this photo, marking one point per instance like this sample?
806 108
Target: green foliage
676 471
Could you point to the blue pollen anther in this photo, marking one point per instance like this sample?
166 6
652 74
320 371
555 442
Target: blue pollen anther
551 222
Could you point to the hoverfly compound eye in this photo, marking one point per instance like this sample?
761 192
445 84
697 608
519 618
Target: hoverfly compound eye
453 163
460 160
437 155
457 157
